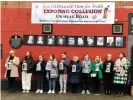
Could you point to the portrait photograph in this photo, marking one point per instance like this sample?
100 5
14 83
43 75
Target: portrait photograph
40 39
100 41
110 41
119 42
80 41
50 40
71 41
90 41
61 40
29 39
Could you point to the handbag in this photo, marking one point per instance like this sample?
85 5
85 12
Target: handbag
93 74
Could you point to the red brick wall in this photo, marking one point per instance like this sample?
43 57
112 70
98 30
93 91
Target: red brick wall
17 21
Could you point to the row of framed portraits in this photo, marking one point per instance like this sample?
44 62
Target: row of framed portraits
95 41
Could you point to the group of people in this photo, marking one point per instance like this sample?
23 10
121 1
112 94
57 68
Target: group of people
74 71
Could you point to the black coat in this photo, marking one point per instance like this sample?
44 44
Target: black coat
75 76
30 64
111 68
43 65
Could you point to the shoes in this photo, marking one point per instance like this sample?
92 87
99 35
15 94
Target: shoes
83 92
27 91
87 92
53 92
96 93
121 94
118 94
24 91
41 91
37 91
49 91
61 91
64 91
9 91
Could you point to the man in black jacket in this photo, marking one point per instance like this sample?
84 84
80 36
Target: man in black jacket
108 74
63 68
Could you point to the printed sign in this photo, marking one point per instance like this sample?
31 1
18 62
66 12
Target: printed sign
73 13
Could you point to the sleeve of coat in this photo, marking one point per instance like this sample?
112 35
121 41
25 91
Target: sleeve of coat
79 68
16 61
54 64
6 62
93 66
66 63
82 64
101 66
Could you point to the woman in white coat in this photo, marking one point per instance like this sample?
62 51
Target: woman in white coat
11 66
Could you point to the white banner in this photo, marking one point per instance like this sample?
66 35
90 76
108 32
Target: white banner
73 13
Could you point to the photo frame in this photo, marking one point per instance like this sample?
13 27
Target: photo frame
110 41
120 42
47 28
61 40
71 41
100 41
50 40
1 51
117 29
40 40
80 41
90 41
29 39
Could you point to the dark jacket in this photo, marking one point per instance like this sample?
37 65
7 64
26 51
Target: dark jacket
65 66
108 65
43 65
30 63
75 76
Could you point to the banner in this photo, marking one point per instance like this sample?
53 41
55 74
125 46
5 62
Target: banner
73 13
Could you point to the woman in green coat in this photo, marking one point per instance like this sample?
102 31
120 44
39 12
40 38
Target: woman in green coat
96 74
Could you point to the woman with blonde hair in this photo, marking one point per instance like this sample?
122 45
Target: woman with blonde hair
97 74
11 66
75 73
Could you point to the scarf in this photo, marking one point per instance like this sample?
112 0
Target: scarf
120 63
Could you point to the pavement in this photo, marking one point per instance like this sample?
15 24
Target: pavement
69 96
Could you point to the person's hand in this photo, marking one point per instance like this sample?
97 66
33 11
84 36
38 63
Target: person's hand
121 65
62 60
11 61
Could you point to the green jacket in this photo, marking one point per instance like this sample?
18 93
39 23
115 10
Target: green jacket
93 68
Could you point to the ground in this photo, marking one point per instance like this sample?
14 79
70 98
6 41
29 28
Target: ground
69 96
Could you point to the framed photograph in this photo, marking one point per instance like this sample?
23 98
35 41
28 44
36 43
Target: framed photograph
0 51
110 41
29 39
71 41
100 41
130 23
119 42
80 41
60 40
40 40
90 41
50 40
47 28
117 29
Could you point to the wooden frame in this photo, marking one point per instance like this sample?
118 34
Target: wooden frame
117 29
47 28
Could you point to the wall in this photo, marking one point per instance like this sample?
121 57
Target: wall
17 21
